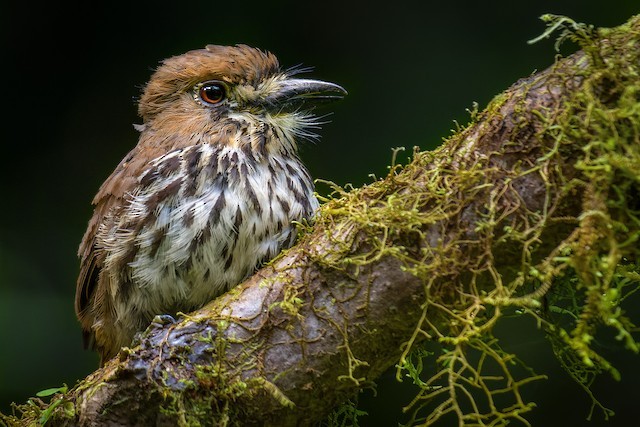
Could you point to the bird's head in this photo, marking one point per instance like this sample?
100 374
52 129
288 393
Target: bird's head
229 92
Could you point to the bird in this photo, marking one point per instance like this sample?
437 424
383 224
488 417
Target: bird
211 191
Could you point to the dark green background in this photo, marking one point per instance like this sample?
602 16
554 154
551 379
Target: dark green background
411 68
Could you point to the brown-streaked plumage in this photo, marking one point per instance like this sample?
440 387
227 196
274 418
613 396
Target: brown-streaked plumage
209 192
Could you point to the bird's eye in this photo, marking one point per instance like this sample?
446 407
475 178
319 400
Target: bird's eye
212 92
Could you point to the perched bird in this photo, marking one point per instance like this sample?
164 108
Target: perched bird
208 194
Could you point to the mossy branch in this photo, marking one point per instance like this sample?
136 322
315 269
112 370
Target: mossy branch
534 206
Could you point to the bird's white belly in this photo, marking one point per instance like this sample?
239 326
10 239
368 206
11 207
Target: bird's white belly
200 241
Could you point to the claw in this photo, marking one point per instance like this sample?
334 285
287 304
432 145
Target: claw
163 319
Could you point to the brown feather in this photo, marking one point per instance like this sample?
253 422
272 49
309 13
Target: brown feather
185 215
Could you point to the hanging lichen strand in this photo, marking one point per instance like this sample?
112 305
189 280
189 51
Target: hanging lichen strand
580 123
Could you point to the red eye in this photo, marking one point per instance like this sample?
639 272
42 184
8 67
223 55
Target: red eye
212 92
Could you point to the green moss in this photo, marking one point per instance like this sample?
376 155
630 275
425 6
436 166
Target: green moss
187 408
346 415
291 301
574 291
36 412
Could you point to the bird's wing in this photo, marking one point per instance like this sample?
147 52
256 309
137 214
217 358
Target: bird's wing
110 196
108 203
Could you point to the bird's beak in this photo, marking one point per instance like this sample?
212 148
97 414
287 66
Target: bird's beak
292 94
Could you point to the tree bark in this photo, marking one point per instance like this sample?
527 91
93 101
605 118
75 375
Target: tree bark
327 317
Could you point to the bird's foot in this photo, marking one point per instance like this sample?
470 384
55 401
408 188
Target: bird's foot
163 319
